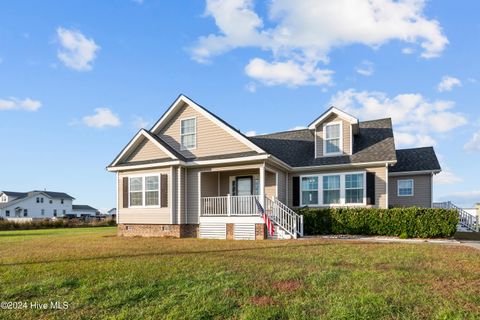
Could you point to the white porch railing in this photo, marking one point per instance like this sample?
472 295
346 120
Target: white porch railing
285 217
279 213
466 219
229 206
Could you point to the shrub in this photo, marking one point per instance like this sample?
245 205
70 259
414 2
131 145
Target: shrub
51 224
405 222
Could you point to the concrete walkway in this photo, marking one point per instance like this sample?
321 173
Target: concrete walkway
380 239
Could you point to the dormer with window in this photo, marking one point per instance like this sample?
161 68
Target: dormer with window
334 131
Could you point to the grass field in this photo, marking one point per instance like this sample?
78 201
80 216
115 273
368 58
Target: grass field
104 276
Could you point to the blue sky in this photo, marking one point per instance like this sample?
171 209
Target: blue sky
78 78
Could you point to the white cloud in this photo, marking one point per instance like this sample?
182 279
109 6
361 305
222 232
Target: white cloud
26 104
297 128
464 199
408 50
103 117
140 123
300 35
416 119
76 52
473 145
287 73
448 83
446 177
251 133
365 68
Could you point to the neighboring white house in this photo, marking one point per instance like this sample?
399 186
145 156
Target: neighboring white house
84 211
27 206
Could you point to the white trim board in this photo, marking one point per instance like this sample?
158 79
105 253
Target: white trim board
342 114
135 141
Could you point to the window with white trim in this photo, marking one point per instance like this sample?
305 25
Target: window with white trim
333 135
188 133
309 190
331 189
144 191
136 192
152 191
405 188
354 188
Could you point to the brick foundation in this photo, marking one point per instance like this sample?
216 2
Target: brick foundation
260 231
230 227
158 230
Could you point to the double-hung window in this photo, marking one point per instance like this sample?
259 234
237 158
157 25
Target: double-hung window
331 189
309 191
136 192
332 137
354 188
144 191
405 188
188 133
152 191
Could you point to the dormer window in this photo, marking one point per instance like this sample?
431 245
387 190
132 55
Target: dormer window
188 133
333 138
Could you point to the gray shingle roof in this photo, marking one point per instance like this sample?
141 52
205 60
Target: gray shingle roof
14 194
83 207
373 143
416 159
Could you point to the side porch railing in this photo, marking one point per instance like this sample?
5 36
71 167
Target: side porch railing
466 219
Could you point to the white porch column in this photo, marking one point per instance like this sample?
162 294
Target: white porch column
262 185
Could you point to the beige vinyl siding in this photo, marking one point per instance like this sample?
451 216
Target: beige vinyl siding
346 127
380 182
181 199
422 191
146 150
281 182
173 195
143 215
270 184
211 138
192 194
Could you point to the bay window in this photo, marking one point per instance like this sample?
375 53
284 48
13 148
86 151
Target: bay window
342 189
144 191
331 189
309 190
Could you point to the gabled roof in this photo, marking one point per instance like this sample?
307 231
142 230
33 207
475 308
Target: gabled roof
182 99
333 110
416 159
14 194
83 207
142 133
27 195
374 143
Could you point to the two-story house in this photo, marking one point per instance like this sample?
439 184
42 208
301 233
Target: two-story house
34 205
194 175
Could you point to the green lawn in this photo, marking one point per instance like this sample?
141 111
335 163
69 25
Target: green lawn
104 276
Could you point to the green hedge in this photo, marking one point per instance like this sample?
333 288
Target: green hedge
50 224
402 222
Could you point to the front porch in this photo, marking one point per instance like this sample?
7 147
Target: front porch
233 192
228 204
